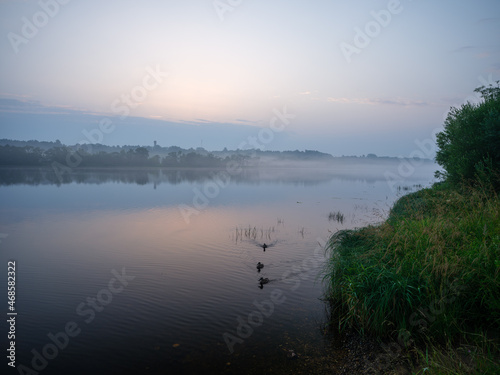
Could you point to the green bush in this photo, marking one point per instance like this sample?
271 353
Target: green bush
469 146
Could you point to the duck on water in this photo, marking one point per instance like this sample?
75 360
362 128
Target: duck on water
264 245
263 280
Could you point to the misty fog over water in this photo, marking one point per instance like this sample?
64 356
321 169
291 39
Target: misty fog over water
187 247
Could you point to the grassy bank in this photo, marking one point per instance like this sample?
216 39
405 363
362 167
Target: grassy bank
427 278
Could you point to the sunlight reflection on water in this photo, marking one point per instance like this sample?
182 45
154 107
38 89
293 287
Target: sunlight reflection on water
192 280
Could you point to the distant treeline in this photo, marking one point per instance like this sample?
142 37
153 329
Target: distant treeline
163 151
43 153
139 157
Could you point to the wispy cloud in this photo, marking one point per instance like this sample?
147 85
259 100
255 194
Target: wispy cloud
18 104
463 49
247 121
305 93
377 101
15 96
489 20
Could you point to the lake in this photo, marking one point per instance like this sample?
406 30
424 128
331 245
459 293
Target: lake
149 271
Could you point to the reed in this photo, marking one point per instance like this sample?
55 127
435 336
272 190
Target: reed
253 233
336 216
302 231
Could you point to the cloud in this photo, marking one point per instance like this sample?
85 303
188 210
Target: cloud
401 102
9 95
375 101
489 20
305 93
463 49
14 105
10 104
247 121
201 121
342 100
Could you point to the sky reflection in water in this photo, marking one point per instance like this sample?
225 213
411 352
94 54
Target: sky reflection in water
192 280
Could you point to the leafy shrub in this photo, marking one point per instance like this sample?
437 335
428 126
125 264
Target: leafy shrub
469 146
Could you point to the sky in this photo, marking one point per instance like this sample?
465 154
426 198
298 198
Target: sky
343 77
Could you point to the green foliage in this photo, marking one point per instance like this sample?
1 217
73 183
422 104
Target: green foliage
429 273
469 146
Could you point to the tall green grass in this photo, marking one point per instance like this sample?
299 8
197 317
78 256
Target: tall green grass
430 273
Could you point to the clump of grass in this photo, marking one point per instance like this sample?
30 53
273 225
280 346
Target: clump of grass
403 188
474 356
336 216
429 273
253 233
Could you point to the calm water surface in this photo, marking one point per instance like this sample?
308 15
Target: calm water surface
188 300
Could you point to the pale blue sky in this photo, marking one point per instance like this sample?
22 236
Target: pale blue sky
235 68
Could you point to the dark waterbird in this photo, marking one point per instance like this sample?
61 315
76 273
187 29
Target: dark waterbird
260 266
265 245
263 280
